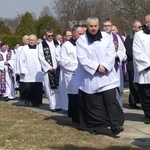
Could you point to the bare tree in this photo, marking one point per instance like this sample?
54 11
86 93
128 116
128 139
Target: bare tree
68 10
11 23
78 10
46 11
125 11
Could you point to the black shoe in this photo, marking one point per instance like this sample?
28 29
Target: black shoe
134 106
10 98
75 119
93 132
53 110
147 120
56 110
26 102
59 109
117 129
6 99
35 105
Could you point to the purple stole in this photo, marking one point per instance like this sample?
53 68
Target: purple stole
115 40
3 74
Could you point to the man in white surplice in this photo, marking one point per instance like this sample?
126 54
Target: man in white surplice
97 78
31 76
17 65
47 56
141 59
120 57
69 63
7 63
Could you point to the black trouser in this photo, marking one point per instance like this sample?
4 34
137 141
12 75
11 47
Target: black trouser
145 98
134 96
21 88
73 107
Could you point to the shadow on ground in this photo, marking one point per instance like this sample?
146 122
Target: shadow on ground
72 147
142 142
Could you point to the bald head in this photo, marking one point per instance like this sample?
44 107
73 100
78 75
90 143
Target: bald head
25 39
59 38
114 29
147 21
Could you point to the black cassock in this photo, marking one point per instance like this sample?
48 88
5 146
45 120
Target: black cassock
32 91
99 110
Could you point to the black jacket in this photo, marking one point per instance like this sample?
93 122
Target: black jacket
129 52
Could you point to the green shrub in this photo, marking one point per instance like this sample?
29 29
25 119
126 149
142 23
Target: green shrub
11 40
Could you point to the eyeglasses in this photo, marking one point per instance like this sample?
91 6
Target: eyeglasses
107 26
50 35
137 27
147 21
68 35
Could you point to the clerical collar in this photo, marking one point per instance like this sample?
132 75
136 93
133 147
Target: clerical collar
72 41
146 30
95 37
3 51
32 46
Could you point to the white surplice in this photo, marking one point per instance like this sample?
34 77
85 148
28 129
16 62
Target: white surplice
30 65
10 92
62 87
90 56
69 62
121 53
53 95
17 66
141 57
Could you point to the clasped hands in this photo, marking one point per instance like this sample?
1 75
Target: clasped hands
6 63
52 69
101 69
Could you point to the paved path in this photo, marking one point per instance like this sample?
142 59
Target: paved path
136 132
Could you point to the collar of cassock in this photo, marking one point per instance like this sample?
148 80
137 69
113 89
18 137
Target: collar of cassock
95 37
146 30
73 41
32 46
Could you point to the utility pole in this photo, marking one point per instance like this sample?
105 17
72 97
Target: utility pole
18 15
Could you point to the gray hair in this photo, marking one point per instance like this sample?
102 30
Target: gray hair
135 21
147 16
33 36
24 37
91 19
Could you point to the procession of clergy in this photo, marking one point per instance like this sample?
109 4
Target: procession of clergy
82 72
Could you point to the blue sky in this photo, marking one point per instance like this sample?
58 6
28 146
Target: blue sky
8 7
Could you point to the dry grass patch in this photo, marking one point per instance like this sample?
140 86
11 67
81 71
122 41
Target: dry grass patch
22 129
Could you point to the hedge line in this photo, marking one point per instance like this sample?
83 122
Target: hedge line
11 40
